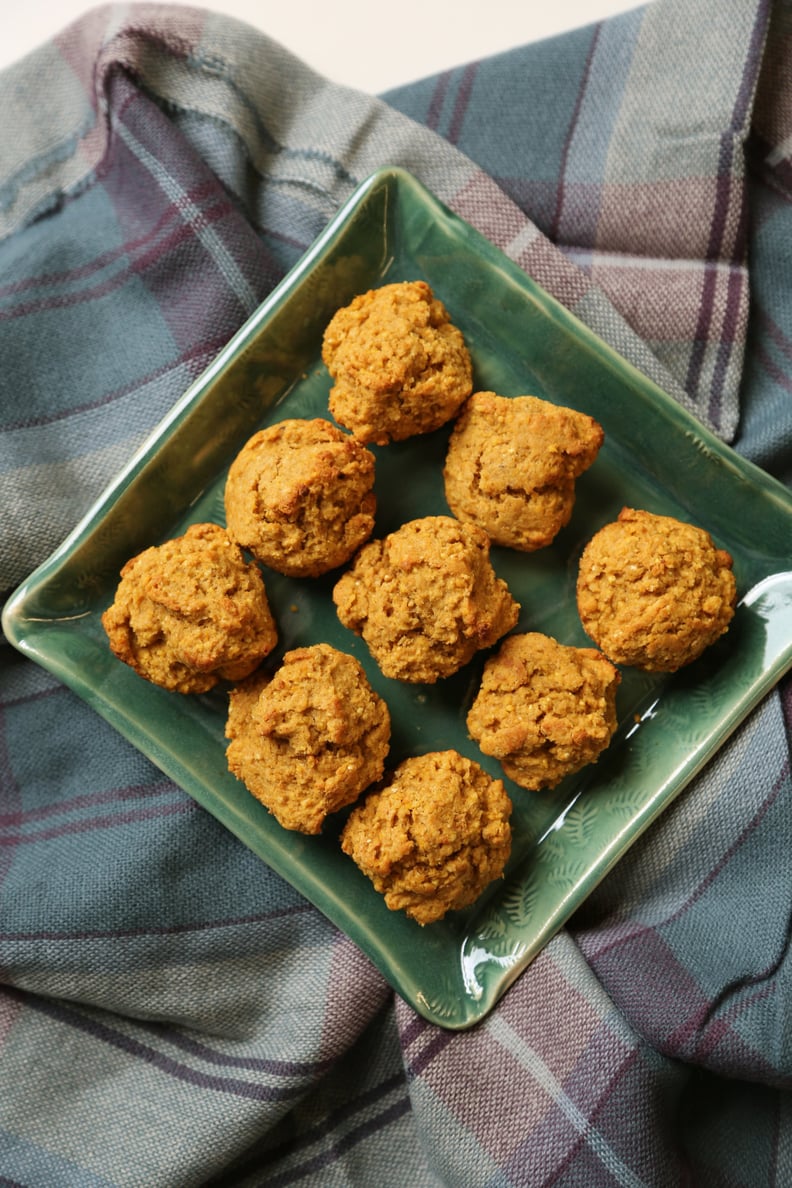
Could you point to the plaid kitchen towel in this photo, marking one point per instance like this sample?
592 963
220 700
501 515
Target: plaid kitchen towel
172 1013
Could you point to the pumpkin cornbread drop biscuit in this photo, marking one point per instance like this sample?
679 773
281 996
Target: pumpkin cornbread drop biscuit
432 836
512 463
544 710
425 598
310 739
299 496
399 364
654 592
191 612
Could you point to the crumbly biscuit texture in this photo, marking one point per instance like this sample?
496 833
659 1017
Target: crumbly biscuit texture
433 836
425 598
512 463
654 592
399 364
307 741
299 496
191 612
544 710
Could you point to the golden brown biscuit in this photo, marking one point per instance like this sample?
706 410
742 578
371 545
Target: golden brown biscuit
512 463
191 612
433 836
653 592
299 497
425 598
544 709
310 739
400 366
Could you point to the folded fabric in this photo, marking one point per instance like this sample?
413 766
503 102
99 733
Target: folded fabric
173 1013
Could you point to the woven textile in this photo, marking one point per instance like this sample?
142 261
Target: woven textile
171 1012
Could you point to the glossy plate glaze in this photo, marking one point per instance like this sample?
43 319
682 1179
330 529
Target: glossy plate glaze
655 456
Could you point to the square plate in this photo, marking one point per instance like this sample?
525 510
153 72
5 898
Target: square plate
655 456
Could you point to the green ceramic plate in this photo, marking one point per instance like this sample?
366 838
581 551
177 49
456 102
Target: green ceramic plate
655 456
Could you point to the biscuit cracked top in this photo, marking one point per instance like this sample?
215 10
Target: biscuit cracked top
425 598
653 591
191 612
400 366
299 496
512 463
433 836
310 739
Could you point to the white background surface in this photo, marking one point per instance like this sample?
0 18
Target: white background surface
370 44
